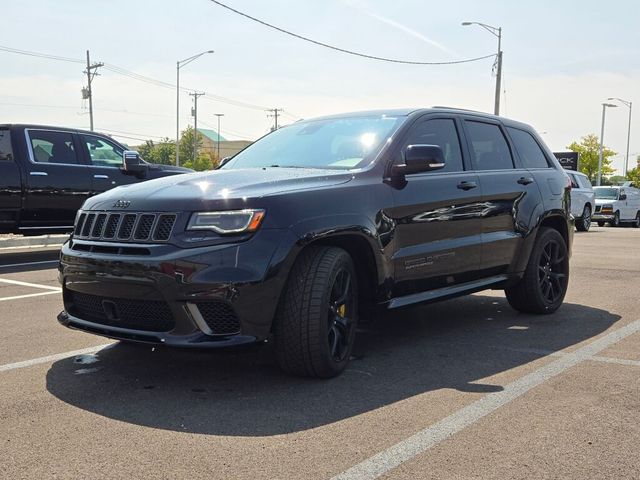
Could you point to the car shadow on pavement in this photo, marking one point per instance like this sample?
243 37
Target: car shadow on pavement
454 344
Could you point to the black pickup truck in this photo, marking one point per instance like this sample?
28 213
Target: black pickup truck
46 173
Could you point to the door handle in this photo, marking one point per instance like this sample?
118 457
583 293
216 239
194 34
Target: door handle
38 174
105 177
525 180
467 185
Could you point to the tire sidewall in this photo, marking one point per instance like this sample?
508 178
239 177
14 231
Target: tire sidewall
536 292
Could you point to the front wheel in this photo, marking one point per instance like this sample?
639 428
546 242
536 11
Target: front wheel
545 280
584 223
316 321
616 220
636 222
600 223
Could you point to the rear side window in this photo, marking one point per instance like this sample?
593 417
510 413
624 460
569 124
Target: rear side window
441 132
489 148
6 154
52 147
530 152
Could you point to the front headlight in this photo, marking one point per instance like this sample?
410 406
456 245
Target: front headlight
232 221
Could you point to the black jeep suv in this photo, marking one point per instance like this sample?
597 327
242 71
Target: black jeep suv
310 229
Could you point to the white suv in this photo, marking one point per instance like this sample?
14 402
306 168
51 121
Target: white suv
582 200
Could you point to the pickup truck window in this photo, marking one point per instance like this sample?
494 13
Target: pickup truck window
5 146
52 147
102 152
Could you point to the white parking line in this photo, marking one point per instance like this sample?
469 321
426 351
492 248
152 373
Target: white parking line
28 263
29 295
26 284
52 358
405 450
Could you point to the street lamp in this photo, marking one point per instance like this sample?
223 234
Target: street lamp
604 109
219 115
496 31
626 158
182 63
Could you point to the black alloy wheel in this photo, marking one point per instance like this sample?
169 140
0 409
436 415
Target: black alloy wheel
341 306
544 284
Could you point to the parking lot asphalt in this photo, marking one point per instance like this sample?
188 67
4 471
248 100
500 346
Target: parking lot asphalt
466 388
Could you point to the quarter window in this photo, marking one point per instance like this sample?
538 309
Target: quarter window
441 132
574 182
530 152
489 148
102 152
52 147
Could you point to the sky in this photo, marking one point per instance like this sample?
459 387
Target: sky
562 60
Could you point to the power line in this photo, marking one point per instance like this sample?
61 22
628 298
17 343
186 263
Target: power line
40 55
344 50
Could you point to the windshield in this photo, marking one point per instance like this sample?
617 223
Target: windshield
606 193
339 143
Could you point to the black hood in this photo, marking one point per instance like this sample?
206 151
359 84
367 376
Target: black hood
215 189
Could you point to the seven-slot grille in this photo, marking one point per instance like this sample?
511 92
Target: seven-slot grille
125 227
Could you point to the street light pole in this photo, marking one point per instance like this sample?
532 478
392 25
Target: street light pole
219 115
182 63
496 31
601 153
629 105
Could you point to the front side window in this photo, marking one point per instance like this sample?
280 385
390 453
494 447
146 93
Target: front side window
530 152
489 148
441 132
52 147
6 153
102 152
339 143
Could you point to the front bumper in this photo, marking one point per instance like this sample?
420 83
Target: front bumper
173 296
602 217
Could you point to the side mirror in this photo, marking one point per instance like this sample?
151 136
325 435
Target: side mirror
131 163
223 162
623 196
420 158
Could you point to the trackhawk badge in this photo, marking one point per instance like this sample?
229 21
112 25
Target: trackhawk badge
122 204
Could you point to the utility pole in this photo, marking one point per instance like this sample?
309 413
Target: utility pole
91 72
275 117
194 112
219 115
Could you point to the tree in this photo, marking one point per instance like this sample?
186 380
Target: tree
163 153
633 175
187 141
589 150
616 180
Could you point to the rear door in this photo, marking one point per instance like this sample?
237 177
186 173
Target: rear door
57 180
510 194
104 157
437 214
10 185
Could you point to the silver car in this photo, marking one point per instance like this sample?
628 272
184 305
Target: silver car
582 200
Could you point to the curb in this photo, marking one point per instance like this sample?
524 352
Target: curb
41 241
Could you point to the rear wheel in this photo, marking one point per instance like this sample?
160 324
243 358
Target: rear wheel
545 280
584 223
316 321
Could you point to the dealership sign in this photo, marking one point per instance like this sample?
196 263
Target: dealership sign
568 160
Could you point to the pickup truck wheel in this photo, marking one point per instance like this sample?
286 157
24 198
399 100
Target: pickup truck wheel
616 220
544 284
584 222
315 324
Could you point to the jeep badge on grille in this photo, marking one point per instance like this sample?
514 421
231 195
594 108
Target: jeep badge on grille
122 204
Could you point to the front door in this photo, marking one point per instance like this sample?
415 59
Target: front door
105 160
57 181
437 239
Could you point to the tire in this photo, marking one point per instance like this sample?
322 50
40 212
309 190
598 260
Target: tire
600 223
544 283
616 220
316 321
583 224
636 223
